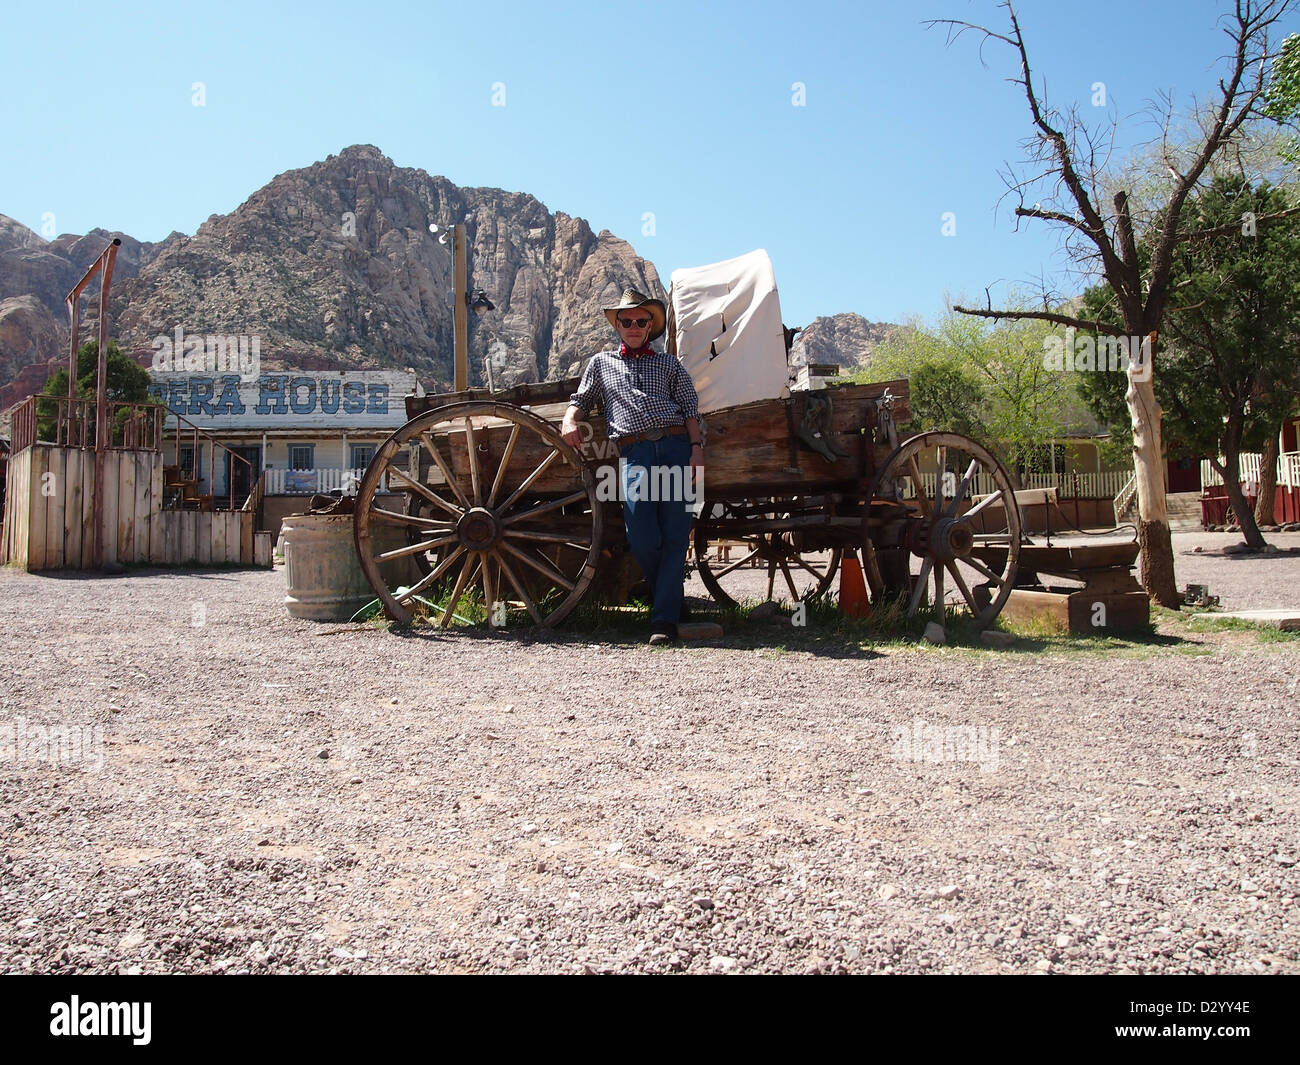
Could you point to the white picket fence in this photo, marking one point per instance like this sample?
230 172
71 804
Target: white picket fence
310 482
1104 485
1288 469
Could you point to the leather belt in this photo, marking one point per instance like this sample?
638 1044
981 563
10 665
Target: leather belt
650 434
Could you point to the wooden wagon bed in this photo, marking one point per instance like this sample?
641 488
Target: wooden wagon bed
753 449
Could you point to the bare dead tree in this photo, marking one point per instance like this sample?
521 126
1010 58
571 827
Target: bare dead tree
1106 238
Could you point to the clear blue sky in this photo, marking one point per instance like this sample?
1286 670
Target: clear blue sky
611 111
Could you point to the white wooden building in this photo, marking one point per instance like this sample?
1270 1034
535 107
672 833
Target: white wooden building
310 430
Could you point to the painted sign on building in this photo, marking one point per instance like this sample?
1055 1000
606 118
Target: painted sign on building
353 399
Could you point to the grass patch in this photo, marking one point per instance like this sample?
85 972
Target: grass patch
819 628
1263 633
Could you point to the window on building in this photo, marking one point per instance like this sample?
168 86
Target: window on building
187 460
360 456
302 456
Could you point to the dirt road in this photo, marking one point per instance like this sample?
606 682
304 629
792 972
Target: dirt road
197 782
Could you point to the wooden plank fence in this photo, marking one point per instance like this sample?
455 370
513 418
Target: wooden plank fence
49 514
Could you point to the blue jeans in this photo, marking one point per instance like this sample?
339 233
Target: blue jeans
657 511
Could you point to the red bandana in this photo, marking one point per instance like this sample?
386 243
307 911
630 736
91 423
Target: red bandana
644 349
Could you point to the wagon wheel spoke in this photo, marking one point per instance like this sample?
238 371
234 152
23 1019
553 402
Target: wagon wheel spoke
871 571
939 615
940 455
392 517
798 560
545 569
923 502
489 589
789 581
545 508
471 447
961 489
412 549
549 538
960 581
979 567
735 565
432 576
501 467
423 490
919 590
771 575
431 446
466 576
541 468
518 587
988 500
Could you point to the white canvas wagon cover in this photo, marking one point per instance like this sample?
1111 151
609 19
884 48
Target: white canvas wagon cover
724 323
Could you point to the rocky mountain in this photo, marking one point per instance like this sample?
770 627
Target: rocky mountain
35 277
846 340
333 266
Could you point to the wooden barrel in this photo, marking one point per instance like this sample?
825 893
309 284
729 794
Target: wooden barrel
323 577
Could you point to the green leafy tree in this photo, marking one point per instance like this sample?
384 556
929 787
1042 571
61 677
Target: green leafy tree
1284 93
1228 372
946 395
127 382
987 381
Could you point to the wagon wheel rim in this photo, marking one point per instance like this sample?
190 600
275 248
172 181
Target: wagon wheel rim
804 574
946 537
506 508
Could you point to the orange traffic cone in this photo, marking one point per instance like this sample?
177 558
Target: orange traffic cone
853 589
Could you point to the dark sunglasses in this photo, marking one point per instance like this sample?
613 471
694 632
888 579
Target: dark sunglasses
628 323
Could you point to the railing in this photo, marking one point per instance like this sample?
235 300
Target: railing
1125 495
205 500
43 419
1288 469
310 482
57 420
254 501
1091 485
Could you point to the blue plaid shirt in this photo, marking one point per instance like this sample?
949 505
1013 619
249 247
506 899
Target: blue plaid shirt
636 394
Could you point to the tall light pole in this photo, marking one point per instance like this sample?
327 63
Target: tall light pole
459 319
461 303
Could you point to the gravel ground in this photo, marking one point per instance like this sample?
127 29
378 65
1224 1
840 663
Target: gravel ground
268 798
1242 582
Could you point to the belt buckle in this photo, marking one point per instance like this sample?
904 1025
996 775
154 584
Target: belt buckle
654 434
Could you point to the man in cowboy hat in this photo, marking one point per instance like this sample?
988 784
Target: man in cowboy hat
652 414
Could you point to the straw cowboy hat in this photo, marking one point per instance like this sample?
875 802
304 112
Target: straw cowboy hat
633 300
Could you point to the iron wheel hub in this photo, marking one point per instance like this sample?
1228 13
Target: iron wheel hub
478 529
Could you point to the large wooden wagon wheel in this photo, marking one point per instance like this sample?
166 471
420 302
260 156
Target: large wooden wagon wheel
904 525
497 509
767 536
